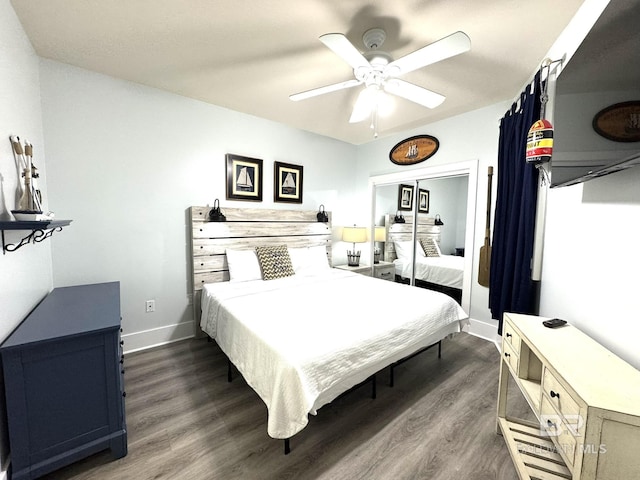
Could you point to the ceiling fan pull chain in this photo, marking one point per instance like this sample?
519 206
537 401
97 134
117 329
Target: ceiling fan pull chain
374 120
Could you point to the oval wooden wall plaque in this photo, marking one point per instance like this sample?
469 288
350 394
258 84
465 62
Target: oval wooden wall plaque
414 150
619 122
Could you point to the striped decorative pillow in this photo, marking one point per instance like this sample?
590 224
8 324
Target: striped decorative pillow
274 262
429 246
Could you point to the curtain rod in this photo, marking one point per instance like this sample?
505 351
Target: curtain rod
547 62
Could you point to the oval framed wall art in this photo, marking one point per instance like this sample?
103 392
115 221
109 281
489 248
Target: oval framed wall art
414 150
619 122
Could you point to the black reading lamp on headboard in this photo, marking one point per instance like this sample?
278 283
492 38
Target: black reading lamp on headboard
322 215
438 221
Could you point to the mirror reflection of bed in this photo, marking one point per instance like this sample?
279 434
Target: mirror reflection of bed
434 269
448 200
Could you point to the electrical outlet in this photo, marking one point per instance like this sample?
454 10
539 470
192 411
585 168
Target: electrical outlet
150 306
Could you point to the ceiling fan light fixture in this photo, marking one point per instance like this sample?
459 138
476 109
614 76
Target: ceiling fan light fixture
378 72
378 58
364 104
385 103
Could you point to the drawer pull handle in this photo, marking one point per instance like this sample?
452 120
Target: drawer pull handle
550 424
508 335
507 355
554 394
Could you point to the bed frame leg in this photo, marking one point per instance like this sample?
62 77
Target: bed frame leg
229 377
287 446
440 349
391 374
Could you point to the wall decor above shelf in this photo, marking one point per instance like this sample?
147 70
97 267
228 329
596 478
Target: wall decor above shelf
40 230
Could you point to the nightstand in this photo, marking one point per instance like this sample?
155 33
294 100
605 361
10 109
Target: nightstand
382 270
361 269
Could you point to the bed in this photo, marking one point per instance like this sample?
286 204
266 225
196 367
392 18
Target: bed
303 339
441 273
445 270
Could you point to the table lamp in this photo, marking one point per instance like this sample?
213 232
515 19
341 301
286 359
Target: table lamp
354 235
379 236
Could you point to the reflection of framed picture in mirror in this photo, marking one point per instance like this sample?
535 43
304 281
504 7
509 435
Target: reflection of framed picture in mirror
287 183
244 178
423 200
405 197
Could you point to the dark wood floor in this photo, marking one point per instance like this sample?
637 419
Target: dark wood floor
186 422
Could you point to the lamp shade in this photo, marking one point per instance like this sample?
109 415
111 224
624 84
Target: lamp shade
354 234
380 234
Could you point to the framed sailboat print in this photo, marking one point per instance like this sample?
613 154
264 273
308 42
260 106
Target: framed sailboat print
405 197
244 178
423 200
287 185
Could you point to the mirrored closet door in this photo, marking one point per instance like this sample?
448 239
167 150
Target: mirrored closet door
433 248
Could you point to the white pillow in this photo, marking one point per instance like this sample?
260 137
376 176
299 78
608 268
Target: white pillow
403 249
309 260
243 265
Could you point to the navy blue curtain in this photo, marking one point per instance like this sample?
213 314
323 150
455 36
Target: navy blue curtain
510 286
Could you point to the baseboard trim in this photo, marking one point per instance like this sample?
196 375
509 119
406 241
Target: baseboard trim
137 341
155 337
484 329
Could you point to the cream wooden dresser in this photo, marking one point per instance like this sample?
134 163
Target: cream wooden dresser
587 401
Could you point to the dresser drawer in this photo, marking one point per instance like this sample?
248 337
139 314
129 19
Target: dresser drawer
558 396
510 336
556 427
510 356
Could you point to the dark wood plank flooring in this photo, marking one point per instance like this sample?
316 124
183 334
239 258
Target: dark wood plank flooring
186 422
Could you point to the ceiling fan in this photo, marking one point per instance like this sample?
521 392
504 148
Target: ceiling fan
378 71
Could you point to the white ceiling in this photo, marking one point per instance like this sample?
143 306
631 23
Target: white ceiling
249 56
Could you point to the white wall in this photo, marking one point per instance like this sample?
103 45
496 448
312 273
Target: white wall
471 136
591 260
591 256
25 276
126 162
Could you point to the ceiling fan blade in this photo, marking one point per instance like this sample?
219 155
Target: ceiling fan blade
414 93
364 103
446 47
326 89
342 47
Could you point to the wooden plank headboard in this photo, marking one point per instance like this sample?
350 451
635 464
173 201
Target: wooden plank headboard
404 231
247 228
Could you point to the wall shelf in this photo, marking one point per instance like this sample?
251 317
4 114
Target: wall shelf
40 230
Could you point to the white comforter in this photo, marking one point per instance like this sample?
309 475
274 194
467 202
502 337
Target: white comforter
446 270
301 341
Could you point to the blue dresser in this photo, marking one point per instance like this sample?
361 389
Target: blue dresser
63 374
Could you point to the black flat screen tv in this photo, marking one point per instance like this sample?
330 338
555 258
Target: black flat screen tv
600 83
